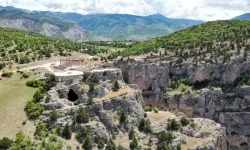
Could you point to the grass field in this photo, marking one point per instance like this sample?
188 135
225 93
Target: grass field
13 96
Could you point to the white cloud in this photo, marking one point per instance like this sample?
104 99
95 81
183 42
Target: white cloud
193 9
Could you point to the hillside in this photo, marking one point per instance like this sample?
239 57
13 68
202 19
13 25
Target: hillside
245 16
22 46
217 37
11 17
123 26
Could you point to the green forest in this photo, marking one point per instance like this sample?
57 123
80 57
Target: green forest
229 34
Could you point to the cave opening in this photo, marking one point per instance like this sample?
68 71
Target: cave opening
72 96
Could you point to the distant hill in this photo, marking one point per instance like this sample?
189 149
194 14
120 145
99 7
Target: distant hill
216 36
11 17
124 26
245 16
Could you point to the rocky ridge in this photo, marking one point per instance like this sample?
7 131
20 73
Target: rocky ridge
106 106
217 93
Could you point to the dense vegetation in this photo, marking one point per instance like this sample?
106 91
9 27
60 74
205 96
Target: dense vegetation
216 37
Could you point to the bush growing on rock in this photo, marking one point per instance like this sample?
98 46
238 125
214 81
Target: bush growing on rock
33 109
147 108
164 139
53 115
116 86
88 143
123 116
67 132
101 144
145 126
184 121
110 145
5 143
82 116
133 144
192 124
173 125
156 110
131 133
80 136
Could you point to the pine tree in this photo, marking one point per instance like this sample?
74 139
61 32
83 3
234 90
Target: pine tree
82 116
116 86
88 143
67 132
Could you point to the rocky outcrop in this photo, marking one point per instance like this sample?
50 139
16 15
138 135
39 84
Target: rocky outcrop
229 106
226 108
151 78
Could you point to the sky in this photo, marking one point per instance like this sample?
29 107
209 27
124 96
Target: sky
206 10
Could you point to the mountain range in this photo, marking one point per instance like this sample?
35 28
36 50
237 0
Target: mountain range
245 16
92 27
124 26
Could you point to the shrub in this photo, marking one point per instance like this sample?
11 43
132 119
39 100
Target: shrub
145 126
147 108
35 83
123 116
110 145
21 142
145 115
131 133
164 139
82 116
184 121
7 74
80 136
101 144
192 124
41 130
25 75
88 143
38 95
133 144
90 100
156 110
67 132
173 125
53 115
5 143
33 109
116 86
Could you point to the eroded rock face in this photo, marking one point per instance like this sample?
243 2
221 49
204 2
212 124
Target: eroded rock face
104 110
229 109
151 78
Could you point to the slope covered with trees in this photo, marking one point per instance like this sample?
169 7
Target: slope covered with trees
23 47
215 37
